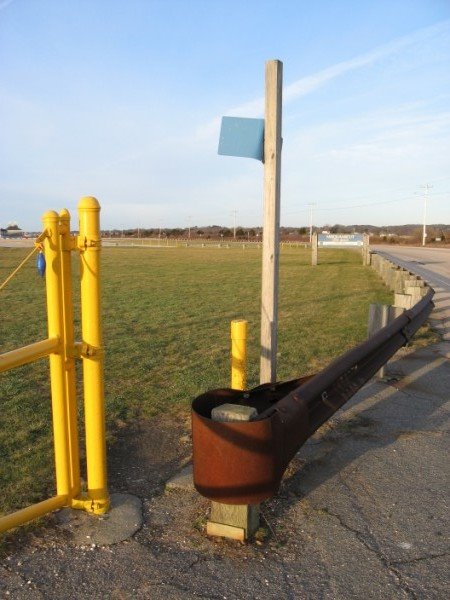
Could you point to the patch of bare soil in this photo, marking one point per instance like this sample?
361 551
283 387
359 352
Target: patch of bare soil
147 453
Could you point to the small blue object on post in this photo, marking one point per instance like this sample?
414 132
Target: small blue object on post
40 264
242 137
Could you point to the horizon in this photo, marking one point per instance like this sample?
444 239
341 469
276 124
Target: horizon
353 226
124 102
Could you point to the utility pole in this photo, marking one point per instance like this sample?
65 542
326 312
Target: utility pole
271 231
311 208
234 213
189 227
425 202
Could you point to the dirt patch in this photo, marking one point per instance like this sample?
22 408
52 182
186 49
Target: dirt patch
142 457
146 454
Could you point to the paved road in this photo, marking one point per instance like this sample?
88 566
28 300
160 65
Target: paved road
433 265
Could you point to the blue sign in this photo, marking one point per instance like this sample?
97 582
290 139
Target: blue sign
340 240
242 137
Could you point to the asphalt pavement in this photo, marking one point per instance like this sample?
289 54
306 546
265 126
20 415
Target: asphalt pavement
362 512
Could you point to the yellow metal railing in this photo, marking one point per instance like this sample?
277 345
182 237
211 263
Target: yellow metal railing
57 244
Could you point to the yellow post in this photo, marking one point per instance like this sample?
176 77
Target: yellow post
239 354
52 249
89 243
69 357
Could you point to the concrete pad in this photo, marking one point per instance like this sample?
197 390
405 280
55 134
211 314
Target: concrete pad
120 523
183 480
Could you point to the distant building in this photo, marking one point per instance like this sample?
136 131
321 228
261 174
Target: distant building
12 231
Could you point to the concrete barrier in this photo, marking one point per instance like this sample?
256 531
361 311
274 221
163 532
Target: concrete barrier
408 290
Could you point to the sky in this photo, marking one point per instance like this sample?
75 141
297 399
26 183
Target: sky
123 100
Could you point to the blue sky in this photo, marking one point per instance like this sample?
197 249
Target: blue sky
123 100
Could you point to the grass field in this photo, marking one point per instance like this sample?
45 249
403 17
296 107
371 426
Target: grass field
166 319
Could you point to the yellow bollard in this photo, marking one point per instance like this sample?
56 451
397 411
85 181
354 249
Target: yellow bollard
69 344
89 244
239 354
52 250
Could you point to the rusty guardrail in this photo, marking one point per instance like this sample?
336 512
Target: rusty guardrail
243 462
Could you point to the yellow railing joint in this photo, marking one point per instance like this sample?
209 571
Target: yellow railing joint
83 243
83 350
83 502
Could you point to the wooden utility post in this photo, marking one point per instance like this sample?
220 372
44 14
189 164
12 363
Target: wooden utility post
314 249
270 253
366 250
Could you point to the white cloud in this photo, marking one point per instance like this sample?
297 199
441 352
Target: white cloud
311 83
381 156
380 137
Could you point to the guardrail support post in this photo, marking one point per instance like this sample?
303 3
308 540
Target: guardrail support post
404 301
235 521
89 243
384 268
381 315
375 261
366 250
414 282
391 276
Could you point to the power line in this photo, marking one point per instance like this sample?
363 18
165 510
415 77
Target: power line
353 205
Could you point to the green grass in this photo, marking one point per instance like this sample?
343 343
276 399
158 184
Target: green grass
166 320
